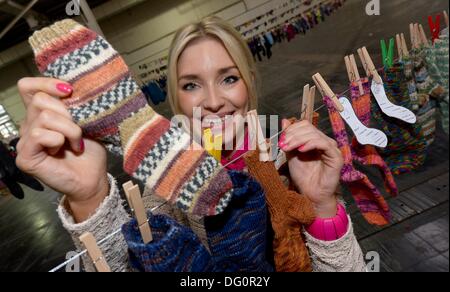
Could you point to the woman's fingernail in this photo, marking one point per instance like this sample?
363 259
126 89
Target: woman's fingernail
82 146
281 144
64 88
301 148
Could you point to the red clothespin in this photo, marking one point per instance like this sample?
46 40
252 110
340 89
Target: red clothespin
435 27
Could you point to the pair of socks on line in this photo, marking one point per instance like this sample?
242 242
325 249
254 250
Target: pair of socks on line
237 238
368 198
110 108
407 148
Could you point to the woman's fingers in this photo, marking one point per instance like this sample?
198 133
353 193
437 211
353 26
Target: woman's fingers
29 86
31 148
55 122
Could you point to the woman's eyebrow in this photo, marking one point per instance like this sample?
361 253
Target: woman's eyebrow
227 69
196 77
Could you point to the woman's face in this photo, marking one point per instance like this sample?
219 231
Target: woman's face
209 79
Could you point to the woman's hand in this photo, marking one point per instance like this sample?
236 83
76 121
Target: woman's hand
52 148
315 164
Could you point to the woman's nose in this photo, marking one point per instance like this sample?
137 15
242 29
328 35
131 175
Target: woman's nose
214 100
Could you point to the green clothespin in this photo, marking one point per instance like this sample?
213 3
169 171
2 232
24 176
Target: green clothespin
388 55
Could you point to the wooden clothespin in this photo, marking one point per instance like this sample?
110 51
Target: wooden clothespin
387 53
417 35
95 253
258 138
398 42
445 17
356 73
307 110
412 35
435 27
133 195
371 69
325 90
404 45
423 36
363 61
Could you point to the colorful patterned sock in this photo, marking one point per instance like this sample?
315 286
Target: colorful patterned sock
289 211
238 237
109 106
411 83
437 58
174 248
407 147
367 154
367 197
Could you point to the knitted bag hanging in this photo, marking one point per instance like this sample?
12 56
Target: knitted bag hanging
289 212
367 154
437 58
367 197
109 106
238 237
174 248
407 147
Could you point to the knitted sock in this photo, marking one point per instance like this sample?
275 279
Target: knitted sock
109 106
407 147
238 237
367 197
411 83
367 154
437 58
174 248
289 211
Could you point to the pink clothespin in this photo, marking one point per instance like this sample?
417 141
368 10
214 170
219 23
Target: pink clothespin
435 27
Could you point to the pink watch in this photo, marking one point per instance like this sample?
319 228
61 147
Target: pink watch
330 229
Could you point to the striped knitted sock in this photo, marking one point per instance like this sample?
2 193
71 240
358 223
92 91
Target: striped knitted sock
367 197
437 58
411 83
174 248
289 211
407 146
109 106
238 237
367 154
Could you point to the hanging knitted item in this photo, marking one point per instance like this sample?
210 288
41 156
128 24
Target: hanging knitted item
289 212
367 197
174 248
110 108
437 58
367 154
238 237
407 147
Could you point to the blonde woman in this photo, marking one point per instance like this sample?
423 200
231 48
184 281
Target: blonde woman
210 68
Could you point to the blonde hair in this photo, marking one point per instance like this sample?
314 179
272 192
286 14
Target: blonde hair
221 30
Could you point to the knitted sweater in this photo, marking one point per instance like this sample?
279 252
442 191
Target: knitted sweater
342 255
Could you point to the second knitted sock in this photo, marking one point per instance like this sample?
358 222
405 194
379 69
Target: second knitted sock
289 211
367 197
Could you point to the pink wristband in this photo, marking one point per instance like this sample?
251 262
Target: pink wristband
330 229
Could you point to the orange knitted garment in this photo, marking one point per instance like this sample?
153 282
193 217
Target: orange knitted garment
289 211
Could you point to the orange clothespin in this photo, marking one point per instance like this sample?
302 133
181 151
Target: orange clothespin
325 90
95 253
134 198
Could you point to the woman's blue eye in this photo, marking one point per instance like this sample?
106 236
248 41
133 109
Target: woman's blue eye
189 86
231 79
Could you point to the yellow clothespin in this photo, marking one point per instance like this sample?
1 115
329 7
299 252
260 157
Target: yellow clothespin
133 195
95 253
307 110
213 144
371 66
326 90
257 136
